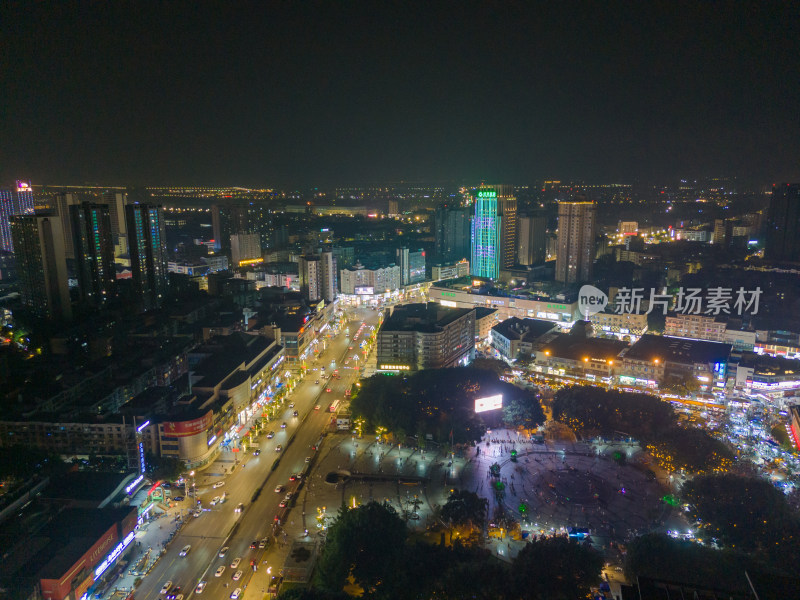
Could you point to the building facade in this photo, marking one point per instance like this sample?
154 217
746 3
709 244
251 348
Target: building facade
93 249
148 251
17 201
452 271
452 233
575 246
245 247
531 240
783 223
486 235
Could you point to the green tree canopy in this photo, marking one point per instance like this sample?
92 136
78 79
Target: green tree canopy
555 568
465 508
523 411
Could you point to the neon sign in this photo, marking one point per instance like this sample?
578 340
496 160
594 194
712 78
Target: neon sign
134 483
487 194
142 426
114 555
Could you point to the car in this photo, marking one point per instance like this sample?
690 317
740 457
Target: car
283 503
166 587
317 407
253 545
316 382
174 593
279 488
237 576
200 587
278 448
298 476
177 597
263 543
239 507
219 571
178 498
291 405
292 477
328 390
198 513
219 484
288 496
223 552
214 501
185 550
295 413
256 452
349 347
308 459
235 562
270 435
166 484
283 425
236 593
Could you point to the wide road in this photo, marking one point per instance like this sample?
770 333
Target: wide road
221 526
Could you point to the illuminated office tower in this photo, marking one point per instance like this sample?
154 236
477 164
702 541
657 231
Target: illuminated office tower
94 252
17 201
507 208
147 243
41 266
486 235
575 245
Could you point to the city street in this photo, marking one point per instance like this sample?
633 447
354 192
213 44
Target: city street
221 526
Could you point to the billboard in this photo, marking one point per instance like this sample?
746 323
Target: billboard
186 428
488 403
364 290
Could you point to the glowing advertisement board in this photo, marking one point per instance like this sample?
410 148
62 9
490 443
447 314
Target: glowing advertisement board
364 290
114 555
488 403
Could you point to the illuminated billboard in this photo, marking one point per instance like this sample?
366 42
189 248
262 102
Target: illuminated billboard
364 290
489 403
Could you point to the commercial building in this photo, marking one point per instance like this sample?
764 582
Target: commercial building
575 250
783 223
485 319
453 271
707 327
16 201
452 232
412 265
578 356
41 265
514 336
365 282
93 250
486 223
245 248
426 336
654 360
148 252
531 240
613 324
776 378
507 206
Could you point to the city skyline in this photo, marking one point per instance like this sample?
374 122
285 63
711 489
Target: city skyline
328 95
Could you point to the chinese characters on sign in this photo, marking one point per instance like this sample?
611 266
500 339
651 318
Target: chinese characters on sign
689 301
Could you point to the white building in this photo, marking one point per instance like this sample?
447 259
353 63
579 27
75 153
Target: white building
245 246
358 279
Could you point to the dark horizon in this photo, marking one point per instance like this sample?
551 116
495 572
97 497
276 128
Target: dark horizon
293 96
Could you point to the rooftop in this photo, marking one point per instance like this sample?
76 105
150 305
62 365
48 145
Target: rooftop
423 317
84 485
524 330
678 350
577 348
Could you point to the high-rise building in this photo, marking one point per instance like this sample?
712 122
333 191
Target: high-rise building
119 230
17 201
486 235
412 265
507 207
148 251
41 266
452 233
394 208
245 247
329 283
345 256
531 240
575 246
61 204
310 271
93 252
783 223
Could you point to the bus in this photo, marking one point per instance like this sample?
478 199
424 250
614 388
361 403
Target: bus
334 406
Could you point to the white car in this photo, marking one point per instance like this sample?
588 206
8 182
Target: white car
185 550
308 459
200 587
219 484
167 586
235 563
236 593
278 448
223 552
215 500
237 576
220 571
279 488
239 508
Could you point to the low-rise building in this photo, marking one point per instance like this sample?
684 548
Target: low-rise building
514 336
485 319
776 378
578 357
366 282
611 323
426 336
454 271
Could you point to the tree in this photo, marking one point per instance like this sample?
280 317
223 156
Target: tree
465 508
523 412
555 568
366 544
21 462
164 467
312 594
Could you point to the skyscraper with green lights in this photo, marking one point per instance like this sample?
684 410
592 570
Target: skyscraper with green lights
147 242
486 235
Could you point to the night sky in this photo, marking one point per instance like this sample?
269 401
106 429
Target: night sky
302 94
